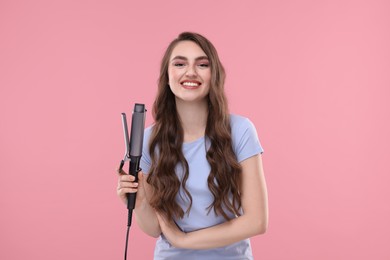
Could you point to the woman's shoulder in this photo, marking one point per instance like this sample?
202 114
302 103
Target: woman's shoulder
148 131
244 137
238 118
239 123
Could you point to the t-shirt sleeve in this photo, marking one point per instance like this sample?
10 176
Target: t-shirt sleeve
245 140
146 161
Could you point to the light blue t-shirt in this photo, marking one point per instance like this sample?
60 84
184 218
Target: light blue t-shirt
245 144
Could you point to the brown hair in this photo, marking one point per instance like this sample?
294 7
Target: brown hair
167 138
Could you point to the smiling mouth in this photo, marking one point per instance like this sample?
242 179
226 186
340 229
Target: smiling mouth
190 84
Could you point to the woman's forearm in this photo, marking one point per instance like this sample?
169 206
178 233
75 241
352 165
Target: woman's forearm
224 234
146 219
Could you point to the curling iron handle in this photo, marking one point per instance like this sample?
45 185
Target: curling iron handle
131 197
133 170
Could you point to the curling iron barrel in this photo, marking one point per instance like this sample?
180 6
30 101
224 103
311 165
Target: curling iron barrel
136 141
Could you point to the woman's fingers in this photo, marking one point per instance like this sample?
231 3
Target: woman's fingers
123 191
127 184
127 178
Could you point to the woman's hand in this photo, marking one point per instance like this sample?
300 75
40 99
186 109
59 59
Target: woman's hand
175 236
127 184
144 213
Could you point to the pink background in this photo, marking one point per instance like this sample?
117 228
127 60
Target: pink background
312 75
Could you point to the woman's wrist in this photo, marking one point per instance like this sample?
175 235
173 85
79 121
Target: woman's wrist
182 240
141 204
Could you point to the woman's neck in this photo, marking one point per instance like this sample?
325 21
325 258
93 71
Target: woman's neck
193 116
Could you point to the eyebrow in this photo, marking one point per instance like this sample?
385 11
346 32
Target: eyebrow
185 58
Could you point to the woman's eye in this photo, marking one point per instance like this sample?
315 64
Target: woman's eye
178 64
204 65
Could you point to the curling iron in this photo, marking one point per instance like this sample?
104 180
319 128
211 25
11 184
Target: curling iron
133 154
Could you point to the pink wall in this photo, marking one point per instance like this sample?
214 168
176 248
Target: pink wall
314 77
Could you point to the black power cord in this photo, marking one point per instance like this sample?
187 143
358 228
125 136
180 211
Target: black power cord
127 241
129 217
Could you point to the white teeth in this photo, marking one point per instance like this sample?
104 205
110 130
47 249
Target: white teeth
190 84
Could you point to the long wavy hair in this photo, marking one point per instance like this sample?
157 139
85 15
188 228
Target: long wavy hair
166 141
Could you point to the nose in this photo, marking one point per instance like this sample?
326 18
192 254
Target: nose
191 71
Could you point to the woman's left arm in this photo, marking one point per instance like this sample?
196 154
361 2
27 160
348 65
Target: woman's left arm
254 221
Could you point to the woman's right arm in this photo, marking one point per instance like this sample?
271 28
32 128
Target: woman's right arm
145 215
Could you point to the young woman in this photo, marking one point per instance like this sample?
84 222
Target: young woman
202 189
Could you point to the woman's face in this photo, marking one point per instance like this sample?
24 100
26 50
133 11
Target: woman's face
189 72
